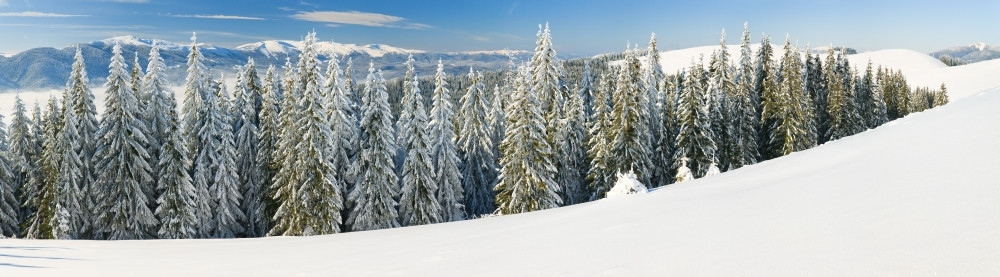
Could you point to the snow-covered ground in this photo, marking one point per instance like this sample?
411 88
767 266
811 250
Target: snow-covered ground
915 197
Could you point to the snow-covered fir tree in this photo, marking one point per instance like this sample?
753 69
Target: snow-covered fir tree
135 79
694 136
404 115
574 165
816 89
312 206
250 171
587 87
418 204
444 154
497 120
69 214
22 155
178 203
373 204
601 175
652 78
791 112
765 87
527 172
81 102
8 202
629 134
121 166
41 195
840 100
215 167
746 118
683 172
722 91
865 98
268 137
160 103
195 88
478 167
344 126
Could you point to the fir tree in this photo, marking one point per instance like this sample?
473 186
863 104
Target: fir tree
121 161
652 78
746 118
81 103
313 205
269 134
722 92
250 171
865 99
765 89
343 125
840 101
940 98
497 123
8 203
42 195
404 115
443 152
694 136
215 167
527 173
574 166
790 132
22 156
195 89
478 168
418 204
69 216
630 142
602 173
372 199
178 202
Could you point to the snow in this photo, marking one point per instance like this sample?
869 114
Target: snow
133 40
626 184
914 197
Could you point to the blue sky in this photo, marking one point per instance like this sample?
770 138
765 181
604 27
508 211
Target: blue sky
578 27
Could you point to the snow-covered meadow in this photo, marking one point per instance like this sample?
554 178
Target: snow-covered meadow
915 197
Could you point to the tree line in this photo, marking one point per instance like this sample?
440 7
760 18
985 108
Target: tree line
313 151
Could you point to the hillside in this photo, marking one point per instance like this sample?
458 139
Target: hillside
972 53
914 197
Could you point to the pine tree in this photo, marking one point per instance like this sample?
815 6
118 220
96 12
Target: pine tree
269 134
816 88
372 199
285 182
135 78
43 194
790 132
527 173
121 161
722 92
443 151
250 171
22 156
418 204
602 169
215 167
315 202
683 172
652 78
574 166
587 87
940 98
344 126
694 136
69 216
478 168
195 89
865 99
765 89
745 110
404 116
630 141
8 203
497 123
840 100
81 103
157 102
178 202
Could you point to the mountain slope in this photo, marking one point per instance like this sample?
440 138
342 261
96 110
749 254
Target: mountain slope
914 197
971 53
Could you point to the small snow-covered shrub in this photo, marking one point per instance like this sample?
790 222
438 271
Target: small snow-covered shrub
626 184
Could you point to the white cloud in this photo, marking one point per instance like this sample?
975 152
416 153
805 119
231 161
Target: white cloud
359 18
37 14
480 38
217 16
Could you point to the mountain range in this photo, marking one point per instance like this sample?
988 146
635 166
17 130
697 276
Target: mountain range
971 53
48 68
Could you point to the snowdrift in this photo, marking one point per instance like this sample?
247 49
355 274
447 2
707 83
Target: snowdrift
917 196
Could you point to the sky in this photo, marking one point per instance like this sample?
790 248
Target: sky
580 27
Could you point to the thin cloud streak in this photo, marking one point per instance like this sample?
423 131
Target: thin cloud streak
360 18
217 16
38 14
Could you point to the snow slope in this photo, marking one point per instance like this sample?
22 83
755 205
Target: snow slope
280 48
916 197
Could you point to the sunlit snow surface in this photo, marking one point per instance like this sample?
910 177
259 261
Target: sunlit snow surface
919 196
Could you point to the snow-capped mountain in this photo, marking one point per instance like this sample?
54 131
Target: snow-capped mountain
971 53
48 68
285 47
